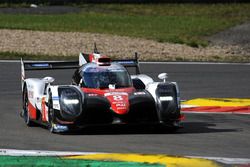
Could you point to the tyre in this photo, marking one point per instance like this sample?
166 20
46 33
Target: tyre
51 114
26 113
169 110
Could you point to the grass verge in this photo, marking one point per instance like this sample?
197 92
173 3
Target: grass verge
175 23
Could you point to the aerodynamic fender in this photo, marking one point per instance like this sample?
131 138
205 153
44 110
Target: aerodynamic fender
35 93
53 90
144 79
35 90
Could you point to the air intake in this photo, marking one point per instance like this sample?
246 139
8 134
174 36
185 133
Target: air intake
104 61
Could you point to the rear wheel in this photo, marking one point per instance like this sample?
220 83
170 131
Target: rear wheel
26 113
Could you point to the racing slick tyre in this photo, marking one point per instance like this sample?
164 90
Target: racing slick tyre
51 114
169 111
26 113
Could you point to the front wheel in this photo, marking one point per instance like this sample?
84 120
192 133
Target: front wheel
167 103
51 114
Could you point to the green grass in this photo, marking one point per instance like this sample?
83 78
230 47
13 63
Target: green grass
176 23
43 161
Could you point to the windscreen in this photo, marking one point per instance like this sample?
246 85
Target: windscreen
102 79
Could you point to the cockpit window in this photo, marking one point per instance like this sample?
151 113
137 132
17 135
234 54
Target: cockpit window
99 77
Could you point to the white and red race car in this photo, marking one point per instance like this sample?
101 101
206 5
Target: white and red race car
102 93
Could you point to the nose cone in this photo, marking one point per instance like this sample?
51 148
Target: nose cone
119 102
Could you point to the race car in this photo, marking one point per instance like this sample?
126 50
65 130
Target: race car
102 92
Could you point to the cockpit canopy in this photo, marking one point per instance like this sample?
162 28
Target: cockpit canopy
114 75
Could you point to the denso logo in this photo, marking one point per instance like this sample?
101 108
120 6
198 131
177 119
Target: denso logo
116 93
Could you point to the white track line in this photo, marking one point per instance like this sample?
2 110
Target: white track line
229 161
143 62
195 63
9 61
14 152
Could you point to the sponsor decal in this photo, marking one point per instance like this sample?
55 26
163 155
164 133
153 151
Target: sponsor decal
126 62
116 93
30 86
60 128
55 98
92 94
31 94
40 65
55 106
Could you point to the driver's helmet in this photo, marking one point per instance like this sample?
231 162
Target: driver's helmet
104 80
112 78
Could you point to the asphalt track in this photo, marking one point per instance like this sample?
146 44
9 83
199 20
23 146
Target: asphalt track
209 135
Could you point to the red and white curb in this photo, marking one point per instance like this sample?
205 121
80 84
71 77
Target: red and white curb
217 106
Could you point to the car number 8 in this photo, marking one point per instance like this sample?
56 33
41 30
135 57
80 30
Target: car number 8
118 98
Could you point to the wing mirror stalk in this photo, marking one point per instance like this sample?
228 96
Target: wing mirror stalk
163 76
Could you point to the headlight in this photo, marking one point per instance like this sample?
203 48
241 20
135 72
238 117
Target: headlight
70 102
166 98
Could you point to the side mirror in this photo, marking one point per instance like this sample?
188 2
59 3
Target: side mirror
111 86
48 79
163 76
80 82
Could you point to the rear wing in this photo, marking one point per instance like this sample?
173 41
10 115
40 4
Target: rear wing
83 59
50 65
45 65
134 63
